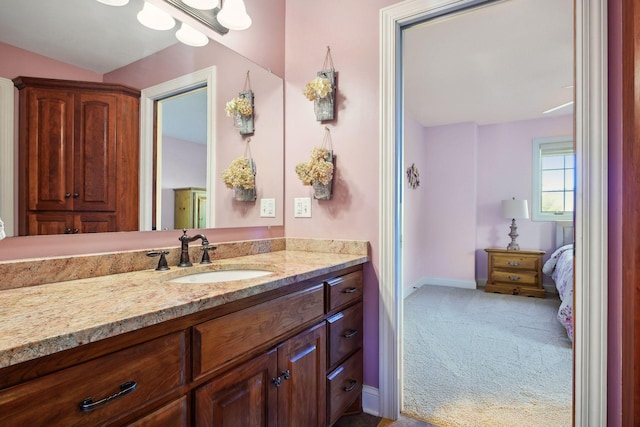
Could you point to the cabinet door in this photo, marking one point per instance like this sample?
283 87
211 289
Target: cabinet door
48 149
95 153
302 367
243 397
49 223
94 223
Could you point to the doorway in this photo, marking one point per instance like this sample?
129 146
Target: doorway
590 342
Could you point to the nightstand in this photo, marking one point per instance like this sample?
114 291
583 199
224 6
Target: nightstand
515 272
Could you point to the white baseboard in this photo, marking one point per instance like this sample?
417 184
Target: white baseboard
439 281
370 400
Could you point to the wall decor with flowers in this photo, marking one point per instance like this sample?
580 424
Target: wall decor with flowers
318 172
241 109
322 90
241 176
413 176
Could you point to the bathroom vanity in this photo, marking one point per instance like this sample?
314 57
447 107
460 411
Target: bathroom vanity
279 350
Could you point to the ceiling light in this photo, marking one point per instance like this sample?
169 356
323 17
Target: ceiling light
551 110
201 4
114 2
190 36
155 18
233 15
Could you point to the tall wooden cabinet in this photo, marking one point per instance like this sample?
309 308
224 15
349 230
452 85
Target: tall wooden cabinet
190 207
78 156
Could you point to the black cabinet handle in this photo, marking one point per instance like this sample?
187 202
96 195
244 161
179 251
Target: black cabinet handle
276 381
286 374
351 386
75 231
88 404
67 195
67 231
350 291
76 195
351 333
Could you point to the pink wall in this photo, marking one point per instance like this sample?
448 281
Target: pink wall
19 62
350 28
504 171
176 154
414 203
449 181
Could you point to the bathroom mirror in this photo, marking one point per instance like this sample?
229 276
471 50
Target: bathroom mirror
164 59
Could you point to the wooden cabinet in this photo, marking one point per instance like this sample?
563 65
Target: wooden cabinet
282 387
515 272
98 391
345 337
282 358
78 153
190 208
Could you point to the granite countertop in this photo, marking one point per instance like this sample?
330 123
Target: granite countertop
36 321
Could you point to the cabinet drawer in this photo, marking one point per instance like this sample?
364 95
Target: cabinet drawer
156 367
345 333
344 290
172 414
516 262
220 341
515 277
344 385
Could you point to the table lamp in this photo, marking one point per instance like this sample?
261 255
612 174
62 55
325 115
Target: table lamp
514 209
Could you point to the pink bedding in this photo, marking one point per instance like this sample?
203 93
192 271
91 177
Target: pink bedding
560 268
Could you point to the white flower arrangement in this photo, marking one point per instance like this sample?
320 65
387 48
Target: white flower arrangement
318 88
239 174
318 169
239 105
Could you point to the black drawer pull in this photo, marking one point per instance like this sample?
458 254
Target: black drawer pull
351 333
350 291
514 263
514 278
88 404
351 386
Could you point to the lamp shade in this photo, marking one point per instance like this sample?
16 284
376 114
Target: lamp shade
201 4
515 209
233 15
114 2
155 18
190 36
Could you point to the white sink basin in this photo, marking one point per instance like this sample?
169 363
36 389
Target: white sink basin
220 276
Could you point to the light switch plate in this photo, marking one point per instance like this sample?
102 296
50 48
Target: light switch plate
267 208
302 207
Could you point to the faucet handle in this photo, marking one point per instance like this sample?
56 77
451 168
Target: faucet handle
162 262
206 247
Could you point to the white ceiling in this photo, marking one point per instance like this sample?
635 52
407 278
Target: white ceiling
504 62
508 61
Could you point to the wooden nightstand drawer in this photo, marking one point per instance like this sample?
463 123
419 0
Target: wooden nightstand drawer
515 272
515 262
515 277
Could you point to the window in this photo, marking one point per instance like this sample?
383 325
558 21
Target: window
554 167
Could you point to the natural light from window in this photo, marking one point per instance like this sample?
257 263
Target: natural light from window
553 179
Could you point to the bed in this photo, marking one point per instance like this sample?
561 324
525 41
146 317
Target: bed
559 267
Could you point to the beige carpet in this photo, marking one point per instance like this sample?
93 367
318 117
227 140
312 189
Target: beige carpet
476 359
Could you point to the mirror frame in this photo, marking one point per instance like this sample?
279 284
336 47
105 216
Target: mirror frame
148 97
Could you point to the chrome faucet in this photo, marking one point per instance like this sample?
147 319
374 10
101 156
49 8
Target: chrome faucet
184 249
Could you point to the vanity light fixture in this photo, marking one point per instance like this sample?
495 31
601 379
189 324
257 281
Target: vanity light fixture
514 209
233 15
114 2
155 18
201 4
190 36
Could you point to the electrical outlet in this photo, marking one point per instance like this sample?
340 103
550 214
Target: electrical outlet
302 207
267 208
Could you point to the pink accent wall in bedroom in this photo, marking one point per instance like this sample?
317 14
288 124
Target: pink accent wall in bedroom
504 171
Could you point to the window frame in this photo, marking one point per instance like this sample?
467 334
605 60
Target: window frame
557 143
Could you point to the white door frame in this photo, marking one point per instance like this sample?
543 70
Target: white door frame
590 335
148 97
7 155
